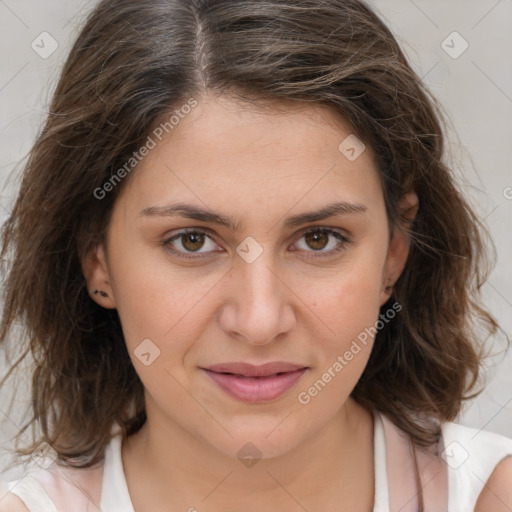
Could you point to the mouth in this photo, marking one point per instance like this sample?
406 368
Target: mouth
256 384
250 370
255 377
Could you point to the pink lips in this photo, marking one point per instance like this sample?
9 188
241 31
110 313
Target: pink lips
255 383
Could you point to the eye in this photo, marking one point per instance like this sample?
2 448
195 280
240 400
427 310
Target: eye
190 241
322 241
196 243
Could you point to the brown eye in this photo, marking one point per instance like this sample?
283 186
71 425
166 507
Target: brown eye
320 242
192 241
317 240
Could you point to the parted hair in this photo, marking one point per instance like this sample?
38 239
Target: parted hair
133 62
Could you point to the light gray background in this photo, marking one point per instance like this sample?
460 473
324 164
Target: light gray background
475 89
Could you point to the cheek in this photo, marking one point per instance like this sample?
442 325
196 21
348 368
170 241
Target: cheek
346 311
346 304
356 305
162 315
154 300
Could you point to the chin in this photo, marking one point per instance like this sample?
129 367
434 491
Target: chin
259 440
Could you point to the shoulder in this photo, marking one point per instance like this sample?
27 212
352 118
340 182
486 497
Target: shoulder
496 495
52 489
11 503
480 468
25 494
471 447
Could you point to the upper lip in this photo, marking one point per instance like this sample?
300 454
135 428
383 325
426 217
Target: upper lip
250 370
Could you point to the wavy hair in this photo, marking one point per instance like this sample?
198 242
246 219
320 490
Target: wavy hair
132 63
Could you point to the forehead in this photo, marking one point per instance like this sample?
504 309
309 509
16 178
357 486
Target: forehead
229 154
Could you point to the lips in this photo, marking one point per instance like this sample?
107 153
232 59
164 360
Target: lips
255 384
250 370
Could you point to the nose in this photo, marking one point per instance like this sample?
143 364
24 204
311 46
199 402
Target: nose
258 305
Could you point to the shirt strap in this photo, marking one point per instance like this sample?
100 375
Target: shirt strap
417 477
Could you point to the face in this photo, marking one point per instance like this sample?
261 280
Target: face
249 236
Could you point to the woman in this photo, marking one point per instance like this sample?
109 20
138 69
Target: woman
248 280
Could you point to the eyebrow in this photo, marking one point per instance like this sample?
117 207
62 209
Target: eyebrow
190 211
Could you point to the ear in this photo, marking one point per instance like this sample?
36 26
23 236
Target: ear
399 245
94 268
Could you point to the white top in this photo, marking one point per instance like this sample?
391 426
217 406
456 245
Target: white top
466 462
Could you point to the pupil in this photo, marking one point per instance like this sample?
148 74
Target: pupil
193 241
317 240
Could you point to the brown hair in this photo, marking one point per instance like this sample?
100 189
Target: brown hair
136 60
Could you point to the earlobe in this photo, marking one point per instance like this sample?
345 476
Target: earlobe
94 268
399 245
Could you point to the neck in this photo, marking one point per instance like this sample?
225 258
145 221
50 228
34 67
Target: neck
333 464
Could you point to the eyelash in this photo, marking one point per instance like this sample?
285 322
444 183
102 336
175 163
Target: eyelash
344 241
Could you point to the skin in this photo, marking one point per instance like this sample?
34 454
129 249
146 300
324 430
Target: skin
259 167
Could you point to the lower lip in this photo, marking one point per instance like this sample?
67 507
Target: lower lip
256 389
